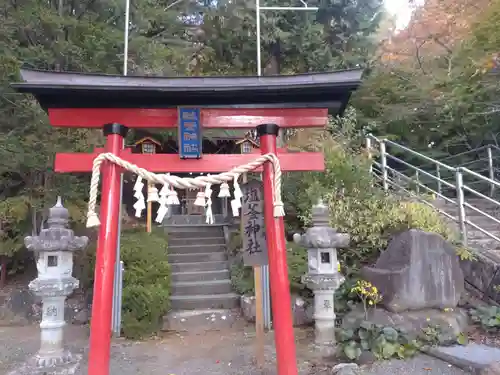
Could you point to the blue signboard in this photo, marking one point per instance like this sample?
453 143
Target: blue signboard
189 133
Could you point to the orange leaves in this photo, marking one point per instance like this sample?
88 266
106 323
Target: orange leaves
435 28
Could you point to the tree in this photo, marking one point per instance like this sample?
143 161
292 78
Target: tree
82 36
174 37
430 87
338 36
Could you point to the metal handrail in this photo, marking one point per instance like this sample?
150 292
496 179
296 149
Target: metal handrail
477 150
470 151
404 148
436 184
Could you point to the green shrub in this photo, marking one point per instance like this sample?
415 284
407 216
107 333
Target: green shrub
235 242
357 205
146 284
487 317
383 342
297 267
372 220
386 342
242 278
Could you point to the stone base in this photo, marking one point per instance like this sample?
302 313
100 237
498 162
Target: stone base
412 322
302 311
67 364
474 358
195 321
325 351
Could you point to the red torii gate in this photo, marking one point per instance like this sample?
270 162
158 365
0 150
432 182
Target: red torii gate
116 103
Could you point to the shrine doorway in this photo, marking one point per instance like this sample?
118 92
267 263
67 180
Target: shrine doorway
187 203
187 213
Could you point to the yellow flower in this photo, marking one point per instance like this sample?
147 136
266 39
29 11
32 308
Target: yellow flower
375 290
370 303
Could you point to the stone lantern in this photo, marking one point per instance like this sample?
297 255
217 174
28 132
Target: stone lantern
323 277
54 249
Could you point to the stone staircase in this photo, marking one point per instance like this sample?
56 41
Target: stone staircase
477 239
483 274
201 290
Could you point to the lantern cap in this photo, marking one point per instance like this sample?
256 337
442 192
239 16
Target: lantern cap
320 214
58 214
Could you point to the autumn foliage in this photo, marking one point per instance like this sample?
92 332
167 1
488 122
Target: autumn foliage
435 28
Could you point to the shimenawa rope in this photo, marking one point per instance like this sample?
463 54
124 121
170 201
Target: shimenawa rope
182 183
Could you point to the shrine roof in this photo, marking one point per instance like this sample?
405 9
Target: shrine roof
83 90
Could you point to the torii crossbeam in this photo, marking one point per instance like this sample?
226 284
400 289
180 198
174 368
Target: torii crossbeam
116 103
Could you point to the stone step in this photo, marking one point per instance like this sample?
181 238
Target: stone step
199 267
471 212
198 248
201 275
483 206
194 230
482 217
480 203
474 233
492 228
195 241
483 223
484 242
197 257
482 248
199 321
214 301
188 288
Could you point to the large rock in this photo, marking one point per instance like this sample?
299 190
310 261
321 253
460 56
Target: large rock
418 270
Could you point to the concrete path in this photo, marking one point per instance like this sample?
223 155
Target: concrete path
213 353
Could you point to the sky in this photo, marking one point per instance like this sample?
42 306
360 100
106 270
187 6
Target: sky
401 9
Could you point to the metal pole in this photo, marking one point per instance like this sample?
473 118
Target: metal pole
119 300
266 298
118 279
461 207
491 171
417 180
383 165
257 12
125 37
289 8
438 175
368 146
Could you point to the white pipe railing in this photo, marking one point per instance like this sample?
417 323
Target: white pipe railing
451 191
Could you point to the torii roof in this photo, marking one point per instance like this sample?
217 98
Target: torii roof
83 90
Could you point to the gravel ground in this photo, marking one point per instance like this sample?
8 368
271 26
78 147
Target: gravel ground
213 353
419 365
